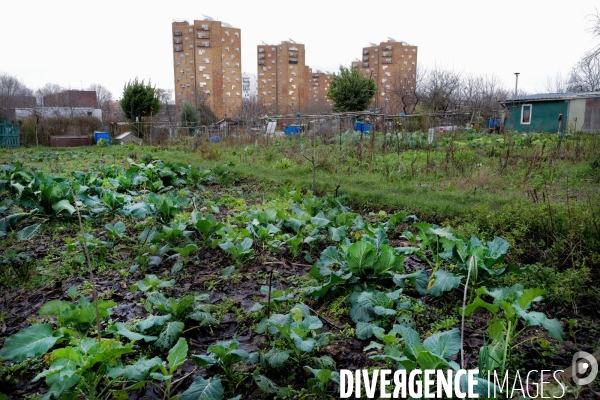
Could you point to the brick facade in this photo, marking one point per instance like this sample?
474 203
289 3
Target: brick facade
207 65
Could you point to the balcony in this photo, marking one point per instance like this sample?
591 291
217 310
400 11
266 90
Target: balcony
365 65
178 48
293 55
203 35
261 62
204 43
387 53
293 61
261 56
387 61
177 33
177 40
204 28
366 58
365 52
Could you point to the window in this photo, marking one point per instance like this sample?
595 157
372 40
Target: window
204 27
200 52
202 68
177 33
206 60
526 114
178 48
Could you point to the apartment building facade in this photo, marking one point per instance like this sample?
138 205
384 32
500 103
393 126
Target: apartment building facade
282 77
318 86
249 88
393 65
207 65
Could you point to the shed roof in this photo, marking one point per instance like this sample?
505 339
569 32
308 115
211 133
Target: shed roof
553 96
123 135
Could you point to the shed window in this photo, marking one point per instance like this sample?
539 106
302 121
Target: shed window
526 114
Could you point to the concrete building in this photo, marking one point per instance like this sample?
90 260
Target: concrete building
318 86
392 64
282 77
207 64
249 85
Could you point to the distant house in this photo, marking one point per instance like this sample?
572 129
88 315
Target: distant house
72 98
578 112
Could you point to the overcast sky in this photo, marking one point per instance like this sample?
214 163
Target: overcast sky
75 43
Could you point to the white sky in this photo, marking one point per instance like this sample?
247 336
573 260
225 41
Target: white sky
75 43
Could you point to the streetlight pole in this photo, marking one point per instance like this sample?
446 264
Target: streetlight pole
517 84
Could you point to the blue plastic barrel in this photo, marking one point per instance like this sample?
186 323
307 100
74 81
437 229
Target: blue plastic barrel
358 126
215 139
291 130
101 135
492 123
366 128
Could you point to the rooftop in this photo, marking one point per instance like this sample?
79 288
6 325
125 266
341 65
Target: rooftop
554 96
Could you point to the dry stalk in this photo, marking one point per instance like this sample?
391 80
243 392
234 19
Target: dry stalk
89 263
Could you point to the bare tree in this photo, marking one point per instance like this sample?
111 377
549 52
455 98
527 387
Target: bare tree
250 111
405 92
439 90
585 75
558 85
168 108
48 88
14 93
595 31
102 94
481 94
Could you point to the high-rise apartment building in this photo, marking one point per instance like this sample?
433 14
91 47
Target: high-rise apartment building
207 62
392 64
282 77
318 86
249 88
